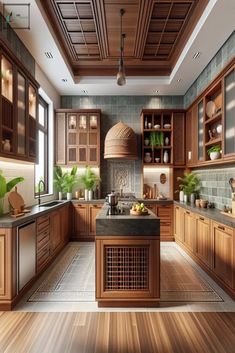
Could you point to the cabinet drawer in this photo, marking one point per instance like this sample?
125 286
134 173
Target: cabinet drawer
42 223
164 212
223 228
203 219
43 238
43 257
165 228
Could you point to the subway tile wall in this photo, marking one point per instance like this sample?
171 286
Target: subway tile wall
127 109
218 62
215 185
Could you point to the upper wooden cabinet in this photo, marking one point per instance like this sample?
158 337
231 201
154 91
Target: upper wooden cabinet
210 121
19 110
168 129
77 137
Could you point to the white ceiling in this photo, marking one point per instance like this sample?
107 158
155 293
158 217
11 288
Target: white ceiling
214 27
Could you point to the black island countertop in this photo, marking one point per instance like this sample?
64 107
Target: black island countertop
126 224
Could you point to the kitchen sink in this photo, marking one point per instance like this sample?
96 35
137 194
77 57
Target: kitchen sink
51 204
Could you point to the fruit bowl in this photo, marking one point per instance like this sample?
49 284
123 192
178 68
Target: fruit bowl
139 213
139 210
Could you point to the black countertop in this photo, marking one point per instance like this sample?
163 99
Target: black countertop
211 213
126 224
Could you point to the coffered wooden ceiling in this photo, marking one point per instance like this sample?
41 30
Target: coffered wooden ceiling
88 32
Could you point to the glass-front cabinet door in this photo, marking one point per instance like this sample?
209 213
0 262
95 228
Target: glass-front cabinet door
21 115
32 101
229 114
7 119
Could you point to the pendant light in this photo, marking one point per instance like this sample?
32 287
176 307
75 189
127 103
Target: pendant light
121 77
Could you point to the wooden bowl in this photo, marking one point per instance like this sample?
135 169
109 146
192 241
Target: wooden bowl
139 213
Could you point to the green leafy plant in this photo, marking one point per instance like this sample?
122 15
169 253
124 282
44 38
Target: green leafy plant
190 183
215 148
70 180
156 138
59 178
6 187
89 179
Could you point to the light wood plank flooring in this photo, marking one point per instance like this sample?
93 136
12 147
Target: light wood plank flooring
117 332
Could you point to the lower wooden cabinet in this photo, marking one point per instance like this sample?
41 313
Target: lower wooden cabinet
6 263
165 213
55 231
178 223
223 254
210 243
203 240
84 216
189 230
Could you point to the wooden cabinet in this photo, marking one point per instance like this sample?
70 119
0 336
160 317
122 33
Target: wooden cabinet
93 211
189 230
18 110
229 114
223 254
6 264
55 231
203 240
65 220
77 137
165 213
178 224
84 221
179 139
43 242
191 136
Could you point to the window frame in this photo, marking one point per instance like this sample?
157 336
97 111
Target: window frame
44 130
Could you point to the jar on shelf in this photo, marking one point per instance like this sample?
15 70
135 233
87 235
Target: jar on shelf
146 141
6 145
147 157
167 141
166 157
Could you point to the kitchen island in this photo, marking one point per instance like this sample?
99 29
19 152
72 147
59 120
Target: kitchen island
127 259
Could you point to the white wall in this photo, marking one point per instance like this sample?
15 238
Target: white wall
47 86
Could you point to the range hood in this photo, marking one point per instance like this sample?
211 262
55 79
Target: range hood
120 142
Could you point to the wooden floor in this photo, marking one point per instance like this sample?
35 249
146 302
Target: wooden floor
117 332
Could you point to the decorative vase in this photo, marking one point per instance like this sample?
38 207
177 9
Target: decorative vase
166 157
147 157
6 145
167 140
60 195
1 205
69 196
86 195
90 195
181 196
192 198
146 142
185 198
214 155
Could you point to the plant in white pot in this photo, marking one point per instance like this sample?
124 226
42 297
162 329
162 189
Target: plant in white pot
214 152
59 181
70 180
89 181
190 185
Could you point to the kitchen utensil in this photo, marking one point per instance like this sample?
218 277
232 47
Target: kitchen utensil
149 125
232 184
157 126
16 200
112 199
210 109
203 203
197 202
157 159
163 178
167 126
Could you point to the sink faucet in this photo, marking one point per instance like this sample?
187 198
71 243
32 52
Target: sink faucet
39 191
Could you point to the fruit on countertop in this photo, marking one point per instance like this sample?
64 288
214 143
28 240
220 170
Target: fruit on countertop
139 207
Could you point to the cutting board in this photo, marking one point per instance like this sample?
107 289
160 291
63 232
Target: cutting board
16 200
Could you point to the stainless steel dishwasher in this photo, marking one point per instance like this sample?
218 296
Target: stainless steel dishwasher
26 242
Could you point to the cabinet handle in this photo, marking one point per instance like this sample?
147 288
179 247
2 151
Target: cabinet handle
187 212
177 207
221 227
201 218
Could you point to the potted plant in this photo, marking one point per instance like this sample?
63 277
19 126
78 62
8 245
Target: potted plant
214 152
69 181
156 139
190 185
6 187
89 181
59 181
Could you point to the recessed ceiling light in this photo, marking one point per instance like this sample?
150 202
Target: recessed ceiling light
64 80
157 91
179 80
84 91
196 55
48 55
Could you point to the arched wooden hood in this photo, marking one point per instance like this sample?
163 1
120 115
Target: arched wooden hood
120 142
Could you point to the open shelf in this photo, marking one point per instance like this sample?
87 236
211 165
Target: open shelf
214 141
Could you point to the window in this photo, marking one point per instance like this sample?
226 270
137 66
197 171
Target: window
41 169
